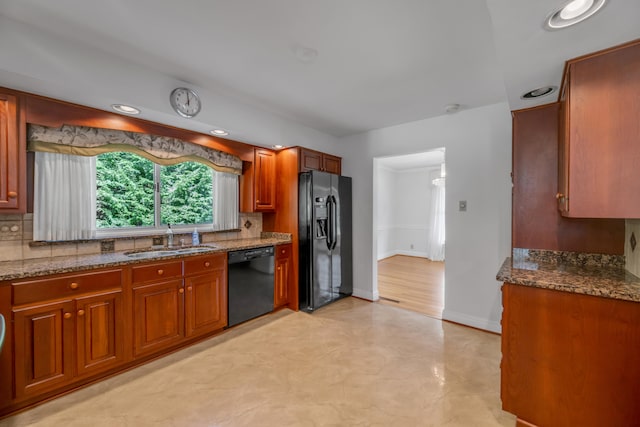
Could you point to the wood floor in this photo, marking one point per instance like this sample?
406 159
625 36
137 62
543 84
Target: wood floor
412 283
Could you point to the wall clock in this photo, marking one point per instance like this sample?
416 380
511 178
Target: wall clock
185 101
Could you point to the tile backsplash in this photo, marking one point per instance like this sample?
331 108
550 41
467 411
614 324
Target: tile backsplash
631 255
16 234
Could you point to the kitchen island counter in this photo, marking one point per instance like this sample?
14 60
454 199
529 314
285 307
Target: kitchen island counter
602 277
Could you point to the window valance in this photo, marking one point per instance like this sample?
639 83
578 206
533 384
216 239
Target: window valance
88 141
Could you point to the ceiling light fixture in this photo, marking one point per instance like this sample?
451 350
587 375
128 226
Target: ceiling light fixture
304 54
452 108
219 132
278 146
126 109
571 13
537 93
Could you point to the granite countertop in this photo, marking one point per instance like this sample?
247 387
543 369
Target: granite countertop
606 279
12 270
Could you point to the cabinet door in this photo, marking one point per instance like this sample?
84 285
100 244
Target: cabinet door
310 160
43 347
331 164
265 180
206 302
603 135
158 316
11 155
281 296
99 332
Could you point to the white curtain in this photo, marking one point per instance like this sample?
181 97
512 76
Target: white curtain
435 245
225 193
64 205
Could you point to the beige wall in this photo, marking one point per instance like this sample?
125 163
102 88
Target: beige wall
16 234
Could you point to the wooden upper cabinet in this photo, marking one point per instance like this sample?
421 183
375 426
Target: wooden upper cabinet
12 155
258 183
315 160
599 145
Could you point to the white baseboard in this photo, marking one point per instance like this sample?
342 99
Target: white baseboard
412 253
476 322
402 252
368 295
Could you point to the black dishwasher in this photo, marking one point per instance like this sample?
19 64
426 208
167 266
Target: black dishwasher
250 284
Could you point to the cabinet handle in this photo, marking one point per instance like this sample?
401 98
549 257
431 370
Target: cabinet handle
207 264
181 291
257 201
67 316
160 272
559 196
12 194
189 288
283 251
74 285
278 268
80 313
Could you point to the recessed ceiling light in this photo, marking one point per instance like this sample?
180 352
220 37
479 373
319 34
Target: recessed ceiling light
278 146
126 109
537 93
219 132
571 13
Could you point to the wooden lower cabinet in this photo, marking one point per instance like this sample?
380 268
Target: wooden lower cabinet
44 348
206 303
68 330
99 332
569 359
158 316
51 338
283 266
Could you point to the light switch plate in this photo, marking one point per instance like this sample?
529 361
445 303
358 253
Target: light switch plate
462 205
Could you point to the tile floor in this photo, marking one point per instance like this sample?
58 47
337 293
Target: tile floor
352 363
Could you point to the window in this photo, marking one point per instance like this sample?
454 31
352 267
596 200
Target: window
134 192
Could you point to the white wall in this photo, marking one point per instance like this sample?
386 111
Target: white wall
403 208
478 145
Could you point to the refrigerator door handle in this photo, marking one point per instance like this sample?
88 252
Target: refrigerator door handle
329 223
334 222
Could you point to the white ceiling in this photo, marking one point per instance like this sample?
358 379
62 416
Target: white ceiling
379 63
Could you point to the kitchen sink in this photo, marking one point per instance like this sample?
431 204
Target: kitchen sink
168 252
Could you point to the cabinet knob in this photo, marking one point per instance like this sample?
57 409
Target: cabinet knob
67 316
74 285
282 251
12 194
181 291
80 313
278 268
257 201
189 288
160 272
207 264
559 196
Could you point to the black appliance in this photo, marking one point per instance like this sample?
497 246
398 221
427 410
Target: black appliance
325 246
250 284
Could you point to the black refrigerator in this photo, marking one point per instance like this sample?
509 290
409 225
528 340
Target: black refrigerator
325 251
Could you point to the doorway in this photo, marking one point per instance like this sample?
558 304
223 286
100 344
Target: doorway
410 230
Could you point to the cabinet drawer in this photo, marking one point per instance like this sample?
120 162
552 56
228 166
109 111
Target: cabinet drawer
205 263
160 270
65 286
283 251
